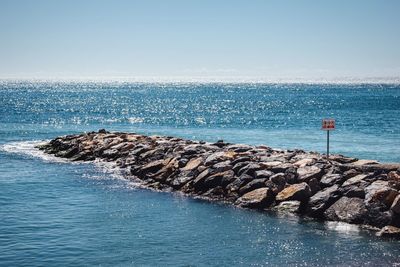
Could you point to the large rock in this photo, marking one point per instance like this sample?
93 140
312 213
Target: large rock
322 200
351 210
379 191
299 192
306 173
356 179
331 179
254 184
389 231
193 164
396 205
258 198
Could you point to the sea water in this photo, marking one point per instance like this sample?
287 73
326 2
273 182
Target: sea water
54 213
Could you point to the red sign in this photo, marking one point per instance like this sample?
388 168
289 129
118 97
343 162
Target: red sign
328 124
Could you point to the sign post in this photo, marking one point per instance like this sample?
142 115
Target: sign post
328 125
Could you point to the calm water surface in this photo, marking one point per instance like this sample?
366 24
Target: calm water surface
60 214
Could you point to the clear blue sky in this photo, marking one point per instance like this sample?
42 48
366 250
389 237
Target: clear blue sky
187 38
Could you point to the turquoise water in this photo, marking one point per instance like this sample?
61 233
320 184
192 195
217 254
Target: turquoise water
60 214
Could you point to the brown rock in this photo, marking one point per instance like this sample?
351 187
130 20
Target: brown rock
299 192
389 231
258 198
193 164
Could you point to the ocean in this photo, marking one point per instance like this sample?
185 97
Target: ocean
55 213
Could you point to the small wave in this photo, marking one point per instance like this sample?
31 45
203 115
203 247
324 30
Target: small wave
28 148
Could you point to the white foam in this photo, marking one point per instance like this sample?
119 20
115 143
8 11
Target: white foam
28 148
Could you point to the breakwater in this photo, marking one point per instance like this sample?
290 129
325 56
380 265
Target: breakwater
258 177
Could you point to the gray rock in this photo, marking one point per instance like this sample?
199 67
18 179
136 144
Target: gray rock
263 174
351 210
223 166
322 200
331 179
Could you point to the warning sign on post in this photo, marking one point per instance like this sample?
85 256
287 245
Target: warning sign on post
328 124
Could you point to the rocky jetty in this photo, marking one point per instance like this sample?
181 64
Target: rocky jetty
257 177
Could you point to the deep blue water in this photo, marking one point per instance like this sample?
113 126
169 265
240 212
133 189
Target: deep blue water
58 214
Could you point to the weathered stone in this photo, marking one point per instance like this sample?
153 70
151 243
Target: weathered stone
331 179
223 166
241 159
389 231
322 200
381 192
278 178
193 164
237 183
199 180
354 180
304 162
250 169
254 184
219 156
364 162
239 166
351 210
308 172
258 198
396 205
263 174
217 178
299 192
292 206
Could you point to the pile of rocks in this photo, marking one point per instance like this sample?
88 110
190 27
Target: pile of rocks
258 177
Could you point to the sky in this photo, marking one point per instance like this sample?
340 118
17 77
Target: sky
203 39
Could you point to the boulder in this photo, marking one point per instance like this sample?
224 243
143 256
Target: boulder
219 156
199 180
322 200
263 174
306 173
258 198
389 231
354 180
396 205
223 166
254 184
250 169
331 179
350 210
192 164
216 179
304 162
299 192
237 183
381 192
278 178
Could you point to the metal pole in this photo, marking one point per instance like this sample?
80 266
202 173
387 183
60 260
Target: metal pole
327 144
